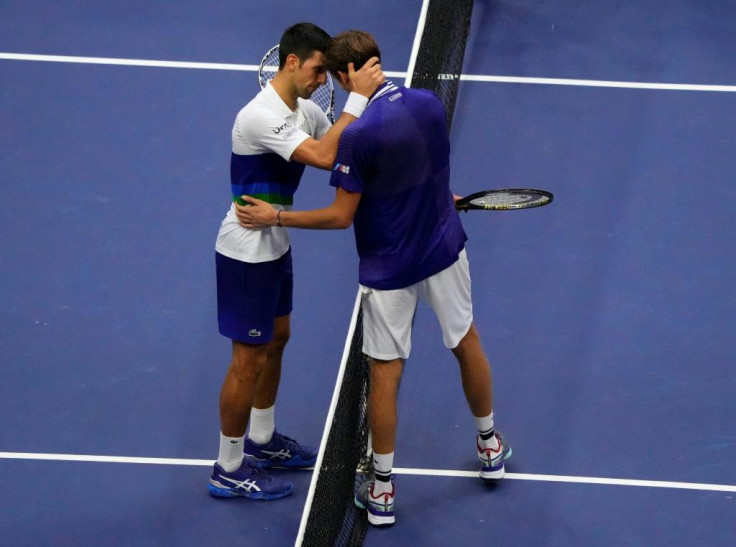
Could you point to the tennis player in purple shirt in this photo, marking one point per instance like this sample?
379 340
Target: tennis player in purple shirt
392 179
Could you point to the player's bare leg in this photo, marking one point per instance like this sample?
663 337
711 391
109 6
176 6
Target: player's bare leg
475 371
382 398
239 387
268 382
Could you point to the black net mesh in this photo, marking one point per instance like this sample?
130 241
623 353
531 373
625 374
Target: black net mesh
333 518
441 51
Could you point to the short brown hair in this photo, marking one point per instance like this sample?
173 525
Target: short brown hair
351 46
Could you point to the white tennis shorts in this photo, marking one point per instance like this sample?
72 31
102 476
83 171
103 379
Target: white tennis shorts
388 315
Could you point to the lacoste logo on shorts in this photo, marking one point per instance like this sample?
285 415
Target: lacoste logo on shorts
253 333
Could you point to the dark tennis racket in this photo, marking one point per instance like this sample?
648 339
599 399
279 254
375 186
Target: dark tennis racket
504 200
323 96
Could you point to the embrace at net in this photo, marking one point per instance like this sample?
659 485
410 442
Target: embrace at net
411 245
393 206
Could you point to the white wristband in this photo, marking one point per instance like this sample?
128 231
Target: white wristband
355 104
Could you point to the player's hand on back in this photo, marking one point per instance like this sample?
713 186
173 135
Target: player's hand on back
366 80
256 213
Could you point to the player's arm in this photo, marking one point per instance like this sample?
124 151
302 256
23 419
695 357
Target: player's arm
338 215
364 82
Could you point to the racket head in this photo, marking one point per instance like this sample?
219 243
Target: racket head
506 199
269 66
323 96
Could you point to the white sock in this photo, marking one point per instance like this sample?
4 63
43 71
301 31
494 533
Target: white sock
382 465
231 452
485 427
261 425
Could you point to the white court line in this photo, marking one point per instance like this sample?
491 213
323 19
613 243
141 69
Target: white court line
598 83
101 459
141 62
124 62
398 471
464 77
571 479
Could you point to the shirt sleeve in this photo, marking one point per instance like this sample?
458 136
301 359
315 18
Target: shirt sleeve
318 122
323 125
261 130
348 170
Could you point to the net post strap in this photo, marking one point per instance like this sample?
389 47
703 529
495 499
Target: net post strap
328 421
417 41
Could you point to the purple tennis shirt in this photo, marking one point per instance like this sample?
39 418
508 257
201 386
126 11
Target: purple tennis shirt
397 156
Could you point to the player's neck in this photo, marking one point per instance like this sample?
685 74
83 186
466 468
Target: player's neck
282 85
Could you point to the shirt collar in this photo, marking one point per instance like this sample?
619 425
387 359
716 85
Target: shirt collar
277 102
387 87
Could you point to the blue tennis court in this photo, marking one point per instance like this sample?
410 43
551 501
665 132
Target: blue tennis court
608 316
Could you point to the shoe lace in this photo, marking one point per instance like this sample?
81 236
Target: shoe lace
289 442
259 474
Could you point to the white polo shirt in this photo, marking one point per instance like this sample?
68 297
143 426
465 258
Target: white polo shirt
265 134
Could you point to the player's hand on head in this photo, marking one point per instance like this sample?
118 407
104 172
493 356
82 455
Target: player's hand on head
367 79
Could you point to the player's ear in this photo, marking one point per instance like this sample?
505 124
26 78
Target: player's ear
292 62
343 79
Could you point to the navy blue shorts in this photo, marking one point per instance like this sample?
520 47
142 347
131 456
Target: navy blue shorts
251 295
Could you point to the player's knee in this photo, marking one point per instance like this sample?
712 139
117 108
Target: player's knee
281 338
388 371
249 360
469 344
281 333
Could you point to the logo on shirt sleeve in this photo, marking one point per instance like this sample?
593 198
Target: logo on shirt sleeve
342 168
280 128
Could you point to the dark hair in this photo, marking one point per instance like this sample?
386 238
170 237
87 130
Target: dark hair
302 39
351 46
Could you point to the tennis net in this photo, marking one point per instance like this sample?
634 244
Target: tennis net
439 57
330 516
344 460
